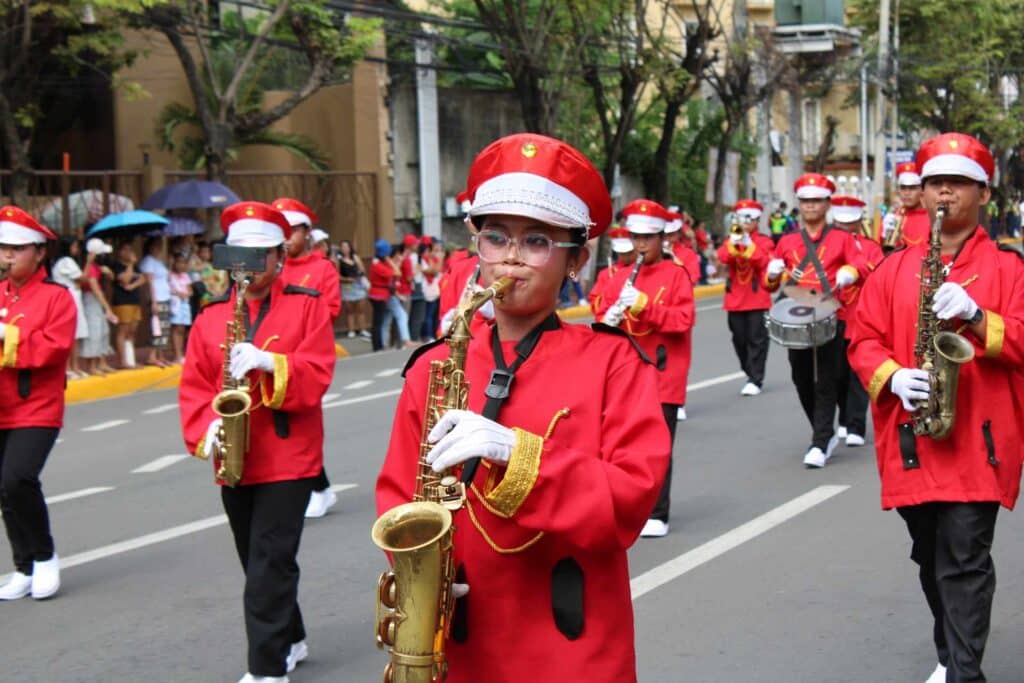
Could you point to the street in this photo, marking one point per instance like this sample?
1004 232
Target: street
770 572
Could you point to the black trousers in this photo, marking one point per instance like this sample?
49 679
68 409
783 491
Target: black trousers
818 399
661 507
380 310
951 545
266 521
750 341
417 314
23 453
852 396
320 481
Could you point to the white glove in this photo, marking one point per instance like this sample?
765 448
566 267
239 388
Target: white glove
613 316
446 320
212 442
461 435
953 301
628 295
736 239
460 590
246 357
910 384
776 267
487 310
888 224
844 278
3 330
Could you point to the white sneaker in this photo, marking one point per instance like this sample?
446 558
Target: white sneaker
45 578
298 653
832 443
681 414
841 432
18 586
750 389
351 334
854 440
654 528
249 678
938 676
815 458
320 502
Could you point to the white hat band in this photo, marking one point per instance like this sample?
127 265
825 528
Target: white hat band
252 232
622 245
533 196
749 213
674 225
644 224
297 218
847 214
954 164
15 233
813 192
908 178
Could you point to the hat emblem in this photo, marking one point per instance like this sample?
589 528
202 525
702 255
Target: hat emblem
250 212
529 150
812 181
953 144
9 213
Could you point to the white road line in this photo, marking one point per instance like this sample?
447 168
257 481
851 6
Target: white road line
78 494
362 399
163 462
327 398
338 488
105 425
710 307
676 567
359 384
389 373
721 379
161 409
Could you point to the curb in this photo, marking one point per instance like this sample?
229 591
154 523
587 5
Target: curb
699 292
125 382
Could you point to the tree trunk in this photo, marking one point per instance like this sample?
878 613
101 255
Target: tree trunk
17 153
658 187
218 140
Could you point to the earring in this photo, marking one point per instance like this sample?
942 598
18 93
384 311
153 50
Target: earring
572 274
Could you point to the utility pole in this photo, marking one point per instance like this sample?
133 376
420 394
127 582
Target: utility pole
429 146
894 122
879 179
865 189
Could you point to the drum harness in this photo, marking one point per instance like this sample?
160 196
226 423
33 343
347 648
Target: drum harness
811 257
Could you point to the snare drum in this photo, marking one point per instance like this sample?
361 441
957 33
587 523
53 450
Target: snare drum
803 323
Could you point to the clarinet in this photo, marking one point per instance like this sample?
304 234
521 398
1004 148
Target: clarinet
617 312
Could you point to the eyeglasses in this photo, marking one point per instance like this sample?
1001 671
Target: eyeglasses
533 248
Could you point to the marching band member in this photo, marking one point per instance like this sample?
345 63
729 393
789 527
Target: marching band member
37 328
948 491
745 256
308 267
681 250
823 259
848 214
573 456
658 312
911 223
622 247
289 359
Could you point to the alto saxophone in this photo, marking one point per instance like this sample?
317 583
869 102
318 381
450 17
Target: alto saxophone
939 352
414 600
892 239
234 401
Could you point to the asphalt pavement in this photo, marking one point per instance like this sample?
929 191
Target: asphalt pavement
770 572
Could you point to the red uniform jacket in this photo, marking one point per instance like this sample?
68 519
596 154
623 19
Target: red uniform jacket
745 289
599 291
382 280
870 258
316 272
453 283
660 321
582 494
990 398
917 227
835 250
297 331
40 318
687 258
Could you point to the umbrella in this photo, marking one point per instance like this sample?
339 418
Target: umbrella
182 225
191 194
127 222
85 207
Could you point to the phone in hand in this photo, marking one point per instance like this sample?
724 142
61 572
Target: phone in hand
234 258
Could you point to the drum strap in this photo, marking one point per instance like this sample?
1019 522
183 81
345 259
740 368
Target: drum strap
908 446
811 257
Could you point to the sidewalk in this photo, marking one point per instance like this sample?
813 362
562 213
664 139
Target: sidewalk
125 382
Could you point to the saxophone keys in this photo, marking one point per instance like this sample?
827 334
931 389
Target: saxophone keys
451 493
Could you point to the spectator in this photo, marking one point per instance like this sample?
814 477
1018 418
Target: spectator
992 209
417 305
215 282
354 288
181 308
399 302
382 285
431 263
99 316
406 262
127 302
157 274
67 271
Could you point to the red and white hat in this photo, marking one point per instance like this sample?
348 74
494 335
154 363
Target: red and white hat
463 200
906 174
296 212
645 217
18 227
748 208
955 154
621 244
254 224
542 178
846 209
674 221
813 186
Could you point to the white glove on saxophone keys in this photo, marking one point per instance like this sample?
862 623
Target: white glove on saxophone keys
460 590
613 316
910 384
844 278
461 435
953 301
245 357
776 267
211 441
3 330
628 295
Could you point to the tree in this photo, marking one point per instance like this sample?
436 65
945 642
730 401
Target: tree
328 43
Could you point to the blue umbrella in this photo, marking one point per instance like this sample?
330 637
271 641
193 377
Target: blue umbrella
128 221
191 194
182 225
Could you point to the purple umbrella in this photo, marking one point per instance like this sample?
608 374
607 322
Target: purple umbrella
191 194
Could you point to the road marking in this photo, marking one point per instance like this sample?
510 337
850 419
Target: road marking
359 385
329 397
721 379
78 494
389 373
362 399
676 567
338 488
163 462
161 409
105 425
710 307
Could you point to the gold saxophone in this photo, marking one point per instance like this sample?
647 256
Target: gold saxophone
939 352
414 600
234 402
895 236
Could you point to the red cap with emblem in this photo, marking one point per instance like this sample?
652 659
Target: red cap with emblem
645 217
673 221
846 209
254 224
621 243
813 186
296 212
542 178
748 208
955 154
906 174
18 227
462 199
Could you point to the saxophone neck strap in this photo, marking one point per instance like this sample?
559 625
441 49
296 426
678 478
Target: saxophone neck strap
253 327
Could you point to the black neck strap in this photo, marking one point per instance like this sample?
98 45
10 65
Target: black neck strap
252 328
811 256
